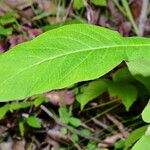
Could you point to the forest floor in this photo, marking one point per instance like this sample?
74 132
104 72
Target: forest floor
41 122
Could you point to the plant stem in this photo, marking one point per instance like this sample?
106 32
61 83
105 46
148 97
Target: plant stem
73 130
104 112
101 105
130 16
120 7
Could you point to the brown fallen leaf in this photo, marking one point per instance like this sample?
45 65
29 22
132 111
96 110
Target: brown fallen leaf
124 28
19 145
112 139
33 32
15 39
62 97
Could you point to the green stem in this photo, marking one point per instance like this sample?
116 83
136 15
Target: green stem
130 16
104 112
101 105
120 7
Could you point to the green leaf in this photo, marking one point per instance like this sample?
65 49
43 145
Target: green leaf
34 122
91 145
123 75
75 122
64 115
99 2
91 91
20 105
64 56
63 130
75 137
13 106
4 31
134 136
86 132
119 144
7 18
126 92
143 143
146 113
78 4
3 110
40 100
21 128
141 71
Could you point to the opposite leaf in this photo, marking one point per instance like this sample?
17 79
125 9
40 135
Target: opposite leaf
99 2
91 91
126 92
34 122
123 75
64 56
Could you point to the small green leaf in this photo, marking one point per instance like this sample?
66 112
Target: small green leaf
20 105
91 91
126 92
143 143
99 2
86 132
34 122
75 137
39 100
123 75
78 4
3 110
63 130
146 113
7 31
21 128
75 122
7 18
91 145
64 115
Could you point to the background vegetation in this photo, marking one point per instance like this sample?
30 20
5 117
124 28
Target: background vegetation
98 114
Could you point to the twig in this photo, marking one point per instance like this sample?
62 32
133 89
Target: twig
68 11
143 16
58 11
76 144
116 122
99 123
73 130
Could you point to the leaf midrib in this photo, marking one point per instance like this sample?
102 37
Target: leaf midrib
73 52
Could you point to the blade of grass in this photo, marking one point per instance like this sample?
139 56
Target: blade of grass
130 16
101 105
104 112
116 2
